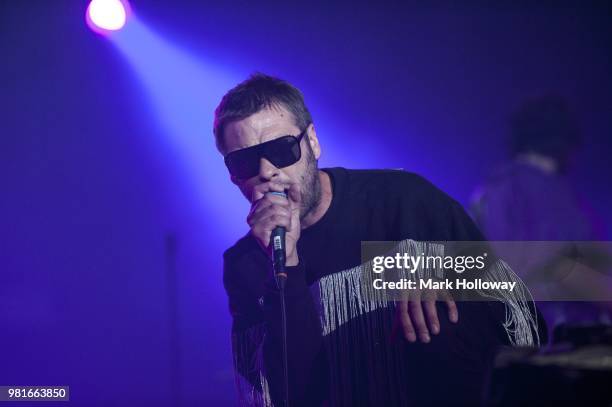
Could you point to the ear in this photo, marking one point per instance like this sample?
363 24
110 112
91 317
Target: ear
313 141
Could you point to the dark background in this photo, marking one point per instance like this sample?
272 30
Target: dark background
110 247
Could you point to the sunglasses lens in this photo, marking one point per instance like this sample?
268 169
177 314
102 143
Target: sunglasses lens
243 163
283 152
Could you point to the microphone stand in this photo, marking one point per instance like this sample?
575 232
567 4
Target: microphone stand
281 277
280 274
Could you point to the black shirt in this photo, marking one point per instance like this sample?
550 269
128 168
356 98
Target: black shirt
357 363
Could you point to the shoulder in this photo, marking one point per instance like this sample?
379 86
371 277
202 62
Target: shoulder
381 175
414 203
394 184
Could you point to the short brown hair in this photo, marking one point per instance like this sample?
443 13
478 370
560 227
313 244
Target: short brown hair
258 92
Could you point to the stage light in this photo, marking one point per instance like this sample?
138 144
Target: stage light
107 15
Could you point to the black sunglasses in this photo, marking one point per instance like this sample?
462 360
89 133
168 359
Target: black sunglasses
281 152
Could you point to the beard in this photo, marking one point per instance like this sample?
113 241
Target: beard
311 186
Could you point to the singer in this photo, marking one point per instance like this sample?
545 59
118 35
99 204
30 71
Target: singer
412 353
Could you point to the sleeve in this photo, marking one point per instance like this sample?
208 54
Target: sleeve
257 335
514 314
515 311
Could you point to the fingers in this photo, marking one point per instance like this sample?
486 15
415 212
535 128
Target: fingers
265 202
453 313
432 316
267 213
405 322
262 226
412 322
418 320
262 201
418 316
267 207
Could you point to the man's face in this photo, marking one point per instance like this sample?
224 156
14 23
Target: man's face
266 125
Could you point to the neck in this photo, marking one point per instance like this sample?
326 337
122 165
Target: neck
326 197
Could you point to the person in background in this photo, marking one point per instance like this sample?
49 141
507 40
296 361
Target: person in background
531 198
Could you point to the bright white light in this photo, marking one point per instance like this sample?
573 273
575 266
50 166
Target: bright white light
108 15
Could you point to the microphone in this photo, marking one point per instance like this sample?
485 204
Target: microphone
277 241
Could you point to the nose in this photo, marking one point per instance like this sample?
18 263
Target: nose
267 171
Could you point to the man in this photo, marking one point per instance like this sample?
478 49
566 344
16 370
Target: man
341 347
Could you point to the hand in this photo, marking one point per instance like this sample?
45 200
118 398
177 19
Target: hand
415 308
269 211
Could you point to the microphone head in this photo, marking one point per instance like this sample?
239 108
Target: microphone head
283 194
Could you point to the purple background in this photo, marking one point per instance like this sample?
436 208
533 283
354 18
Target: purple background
115 207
